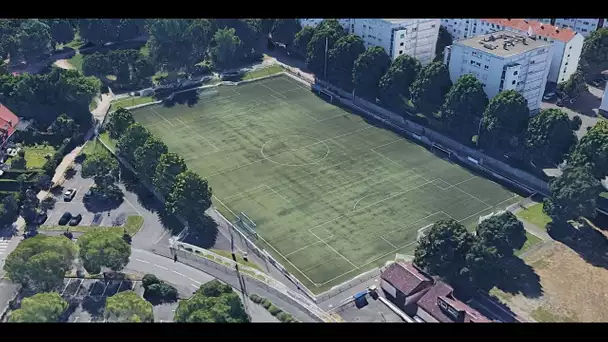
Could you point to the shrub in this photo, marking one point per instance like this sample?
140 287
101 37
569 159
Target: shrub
150 279
266 303
255 298
274 310
282 316
576 123
188 249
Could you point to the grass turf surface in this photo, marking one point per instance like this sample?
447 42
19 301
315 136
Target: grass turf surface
332 195
131 101
34 156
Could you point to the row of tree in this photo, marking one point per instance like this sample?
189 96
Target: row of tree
187 195
32 39
129 66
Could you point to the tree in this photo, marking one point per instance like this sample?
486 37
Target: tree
169 166
575 123
19 162
443 250
9 210
266 26
394 86
142 68
325 36
127 306
29 206
118 123
341 60
300 42
285 30
133 137
503 232
550 136
592 150
99 31
481 261
443 39
573 87
40 308
190 197
96 64
103 248
212 307
61 30
102 167
464 106
64 127
200 32
369 68
40 262
148 156
170 48
573 194
130 28
227 50
34 40
430 87
594 56
505 120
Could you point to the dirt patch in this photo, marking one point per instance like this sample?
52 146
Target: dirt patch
64 64
574 290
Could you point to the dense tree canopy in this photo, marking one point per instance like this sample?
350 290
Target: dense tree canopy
40 308
284 30
29 206
148 155
248 31
394 86
61 30
369 68
503 232
41 262
505 120
430 87
118 123
170 47
128 65
102 167
127 306
227 50
169 166
212 303
443 39
134 137
64 127
573 87
592 150
464 106
550 136
103 248
34 40
189 197
326 34
443 249
573 194
301 40
101 31
341 60
9 210
594 57
200 32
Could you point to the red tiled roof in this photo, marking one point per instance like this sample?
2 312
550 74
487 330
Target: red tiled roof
8 123
430 303
405 277
542 29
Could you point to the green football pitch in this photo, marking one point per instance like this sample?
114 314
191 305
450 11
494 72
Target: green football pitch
331 195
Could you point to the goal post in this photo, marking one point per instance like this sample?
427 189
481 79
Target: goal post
440 150
246 225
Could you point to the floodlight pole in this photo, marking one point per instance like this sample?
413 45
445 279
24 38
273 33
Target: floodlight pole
325 69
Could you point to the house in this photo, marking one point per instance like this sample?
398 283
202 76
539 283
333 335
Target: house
426 299
8 126
584 26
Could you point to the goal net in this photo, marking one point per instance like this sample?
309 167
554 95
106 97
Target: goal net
325 95
441 152
246 225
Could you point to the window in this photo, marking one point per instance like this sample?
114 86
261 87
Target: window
483 85
566 63
486 67
472 62
433 26
564 71
478 64
570 47
402 36
401 44
585 30
401 52
568 56
515 73
364 26
513 82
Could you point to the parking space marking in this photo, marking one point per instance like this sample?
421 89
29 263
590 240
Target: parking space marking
161 267
195 286
160 238
144 261
133 287
48 218
196 281
75 319
79 285
132 206
178 273
66 286
104 289
91 320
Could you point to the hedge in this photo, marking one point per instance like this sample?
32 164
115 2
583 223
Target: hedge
274 310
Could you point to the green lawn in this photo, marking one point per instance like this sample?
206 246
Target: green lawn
34 156
105 137
76 43
531 241
76 61
271 70
145 50
331 195
535 215
93 146
132 101
132 226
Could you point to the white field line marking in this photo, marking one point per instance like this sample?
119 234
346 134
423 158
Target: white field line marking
394 162
333 249
178 273
161 267
133 287
66 286
388 242
206 140
411 224
195 286
144 261
245 192
261 160
162 117
508 199
392 142
161 237
200 155
450 216
303 248
465 192
272 90
300 112
464 181
193 280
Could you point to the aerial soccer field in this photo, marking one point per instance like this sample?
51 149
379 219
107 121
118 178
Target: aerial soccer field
331 195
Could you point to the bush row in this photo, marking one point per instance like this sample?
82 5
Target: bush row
274 310
68 145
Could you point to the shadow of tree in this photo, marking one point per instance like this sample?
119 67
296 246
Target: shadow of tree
585 104
97 205
518 277
588 242
94 306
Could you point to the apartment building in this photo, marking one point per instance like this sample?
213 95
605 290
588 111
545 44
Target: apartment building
414 37
584 26
604 104
566 44
503 61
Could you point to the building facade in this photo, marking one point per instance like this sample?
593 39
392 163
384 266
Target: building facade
584 26
503 61
566 44
414 37
604 104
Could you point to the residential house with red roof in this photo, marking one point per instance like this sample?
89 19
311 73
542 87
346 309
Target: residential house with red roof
8 126
566 44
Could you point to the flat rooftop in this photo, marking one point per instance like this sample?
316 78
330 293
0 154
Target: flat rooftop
503 43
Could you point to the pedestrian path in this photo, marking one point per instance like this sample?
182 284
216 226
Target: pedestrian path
4 242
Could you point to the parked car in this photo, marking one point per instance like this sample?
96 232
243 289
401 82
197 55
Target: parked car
548 96
41 218
69 194
88 194
65 218
75 220
559 103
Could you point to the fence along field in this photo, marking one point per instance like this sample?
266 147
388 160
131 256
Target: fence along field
329 195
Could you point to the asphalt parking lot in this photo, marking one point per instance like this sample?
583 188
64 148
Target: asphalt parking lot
369 310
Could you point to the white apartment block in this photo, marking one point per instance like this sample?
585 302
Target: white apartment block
584 26
566 44
414 37
503 61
